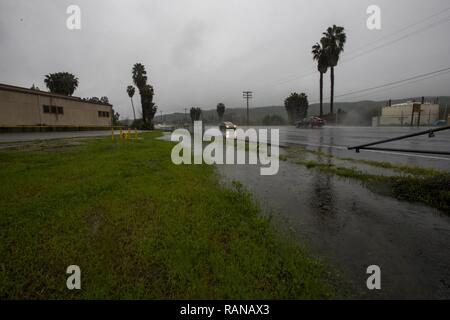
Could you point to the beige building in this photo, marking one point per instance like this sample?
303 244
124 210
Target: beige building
405 114
21 106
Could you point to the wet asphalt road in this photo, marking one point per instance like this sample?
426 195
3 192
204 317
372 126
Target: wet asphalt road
336 140
30 136
333 139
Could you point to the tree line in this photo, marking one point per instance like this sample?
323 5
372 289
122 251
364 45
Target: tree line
326 53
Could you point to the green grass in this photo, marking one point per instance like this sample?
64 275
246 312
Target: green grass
297 150
139 227
409 169
413 170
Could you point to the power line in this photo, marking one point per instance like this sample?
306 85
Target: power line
403 29
437 23
392 83
403 84
420 77
357 55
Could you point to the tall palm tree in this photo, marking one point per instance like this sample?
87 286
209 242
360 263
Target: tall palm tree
139 76
130 91
333 41
319 55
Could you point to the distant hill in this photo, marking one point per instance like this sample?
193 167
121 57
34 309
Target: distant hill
356 113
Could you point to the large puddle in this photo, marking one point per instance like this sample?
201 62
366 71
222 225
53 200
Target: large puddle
337 139
350 227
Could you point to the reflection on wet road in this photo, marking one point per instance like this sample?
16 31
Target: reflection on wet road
337 139
352 228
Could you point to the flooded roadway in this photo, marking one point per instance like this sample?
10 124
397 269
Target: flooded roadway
344 223
351 227
337 139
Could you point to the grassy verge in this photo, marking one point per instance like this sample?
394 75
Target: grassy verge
413 170
408 169
428 186
138 227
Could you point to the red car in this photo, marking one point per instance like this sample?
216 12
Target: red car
311 122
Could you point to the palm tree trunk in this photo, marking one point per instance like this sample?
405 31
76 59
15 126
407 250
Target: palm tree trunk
332 91
134 113
144 113
321 94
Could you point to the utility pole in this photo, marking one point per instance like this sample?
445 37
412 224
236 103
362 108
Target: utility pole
247 96
418 118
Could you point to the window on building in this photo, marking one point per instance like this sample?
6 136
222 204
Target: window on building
52 109
103 114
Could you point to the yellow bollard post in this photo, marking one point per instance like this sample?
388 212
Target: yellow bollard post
128 134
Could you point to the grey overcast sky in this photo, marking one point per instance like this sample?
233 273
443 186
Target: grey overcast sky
201 52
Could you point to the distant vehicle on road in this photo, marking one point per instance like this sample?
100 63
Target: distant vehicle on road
227 126
311 122
439 123
164 127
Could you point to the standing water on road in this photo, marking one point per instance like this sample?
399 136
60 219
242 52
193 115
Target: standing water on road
337 139
348 225
353 228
